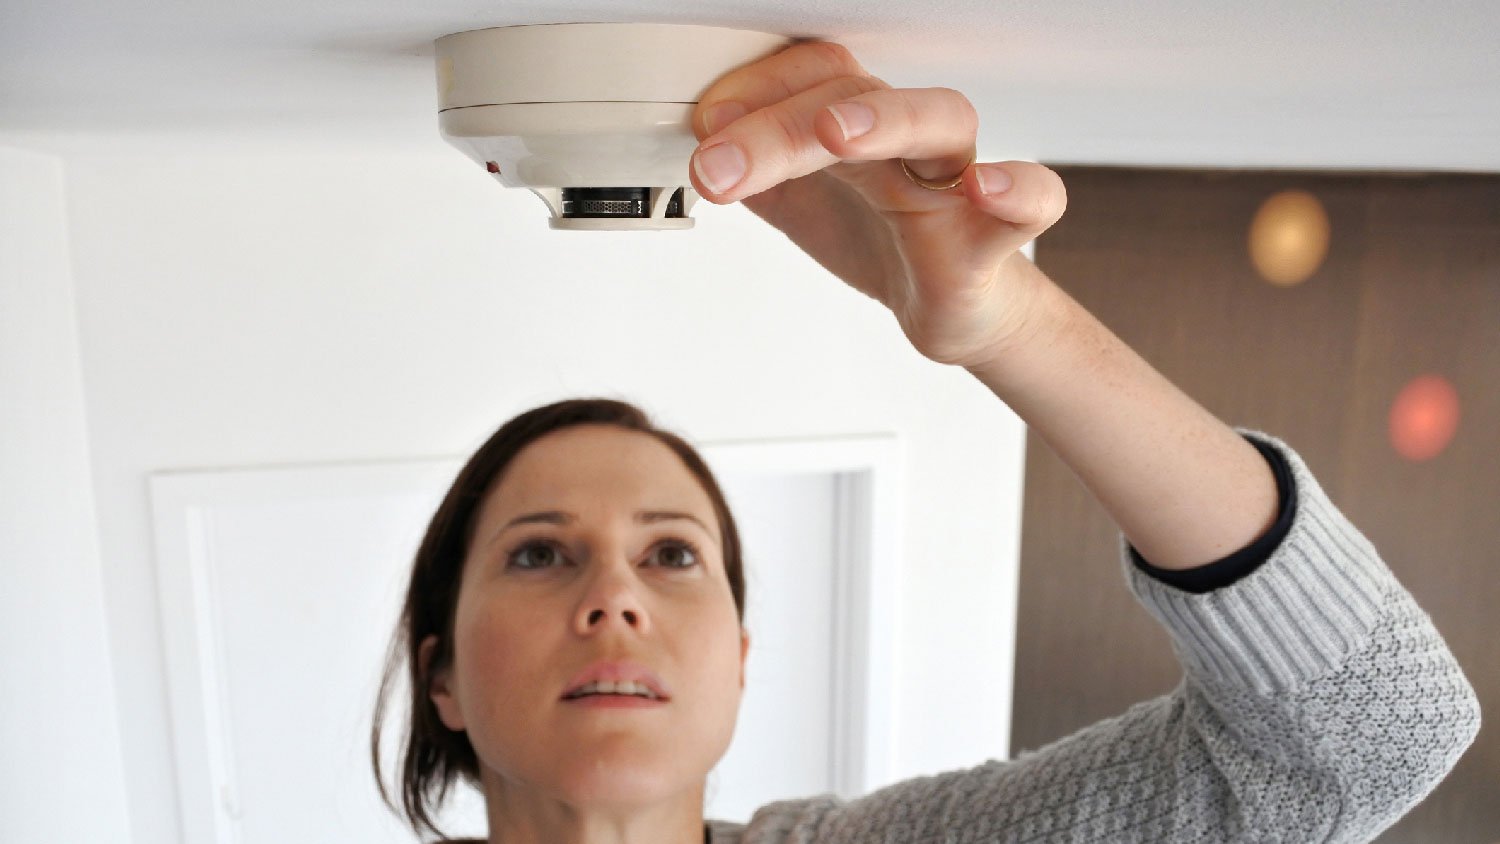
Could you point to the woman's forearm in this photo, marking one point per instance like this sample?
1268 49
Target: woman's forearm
1185 488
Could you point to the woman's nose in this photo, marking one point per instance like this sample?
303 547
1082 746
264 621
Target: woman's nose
611 601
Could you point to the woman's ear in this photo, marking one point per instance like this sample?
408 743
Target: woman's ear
744 652
438 689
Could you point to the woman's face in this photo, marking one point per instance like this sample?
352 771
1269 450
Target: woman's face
540 602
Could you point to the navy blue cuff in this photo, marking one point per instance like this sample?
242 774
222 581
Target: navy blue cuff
1221 573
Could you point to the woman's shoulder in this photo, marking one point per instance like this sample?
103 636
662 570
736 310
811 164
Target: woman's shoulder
775 822
723 832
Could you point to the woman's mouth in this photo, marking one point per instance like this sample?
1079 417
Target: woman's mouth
612 688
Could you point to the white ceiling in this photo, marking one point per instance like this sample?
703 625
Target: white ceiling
1285 83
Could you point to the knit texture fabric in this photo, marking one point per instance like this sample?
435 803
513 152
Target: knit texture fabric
1318 704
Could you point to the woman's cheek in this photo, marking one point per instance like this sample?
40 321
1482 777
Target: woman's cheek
499 660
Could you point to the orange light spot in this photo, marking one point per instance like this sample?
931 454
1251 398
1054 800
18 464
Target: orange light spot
1288 239
1424 417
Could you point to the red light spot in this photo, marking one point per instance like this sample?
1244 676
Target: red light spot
1424 417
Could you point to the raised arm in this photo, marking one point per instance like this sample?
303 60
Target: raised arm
808 140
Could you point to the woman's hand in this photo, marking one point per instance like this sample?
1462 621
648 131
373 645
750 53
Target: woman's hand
945 262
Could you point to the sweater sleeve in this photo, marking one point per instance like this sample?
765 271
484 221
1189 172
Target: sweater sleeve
1318 703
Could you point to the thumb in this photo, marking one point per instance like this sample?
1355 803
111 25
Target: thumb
1021 199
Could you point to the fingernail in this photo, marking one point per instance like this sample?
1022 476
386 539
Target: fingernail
721 166
722 114
992 180
854 118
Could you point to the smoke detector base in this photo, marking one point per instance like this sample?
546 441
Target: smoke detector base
591 117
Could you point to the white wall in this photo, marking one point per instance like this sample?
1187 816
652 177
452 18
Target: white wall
254 306
60 770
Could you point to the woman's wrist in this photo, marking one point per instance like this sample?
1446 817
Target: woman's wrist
1041 315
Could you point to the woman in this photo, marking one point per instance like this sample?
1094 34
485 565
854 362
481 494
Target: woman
572 629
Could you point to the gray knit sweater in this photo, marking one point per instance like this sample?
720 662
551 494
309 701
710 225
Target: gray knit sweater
1318 704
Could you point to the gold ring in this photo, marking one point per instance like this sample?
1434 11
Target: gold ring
940 184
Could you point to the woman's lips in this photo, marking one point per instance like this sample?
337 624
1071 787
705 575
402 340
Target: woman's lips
614 671
615 702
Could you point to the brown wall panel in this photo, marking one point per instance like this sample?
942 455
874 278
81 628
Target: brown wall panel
1411 285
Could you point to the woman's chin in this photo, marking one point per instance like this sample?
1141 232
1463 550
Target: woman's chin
623 779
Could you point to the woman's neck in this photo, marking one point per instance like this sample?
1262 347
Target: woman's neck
517 816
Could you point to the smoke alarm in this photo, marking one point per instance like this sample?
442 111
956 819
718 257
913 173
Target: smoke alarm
592 117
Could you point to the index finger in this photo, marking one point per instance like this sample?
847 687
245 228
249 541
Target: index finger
800 67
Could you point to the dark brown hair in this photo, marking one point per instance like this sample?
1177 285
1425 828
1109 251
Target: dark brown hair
433 756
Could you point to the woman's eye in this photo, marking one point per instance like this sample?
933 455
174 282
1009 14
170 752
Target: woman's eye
680 548
521 560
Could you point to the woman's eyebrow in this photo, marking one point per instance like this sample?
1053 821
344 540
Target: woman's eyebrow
559 517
